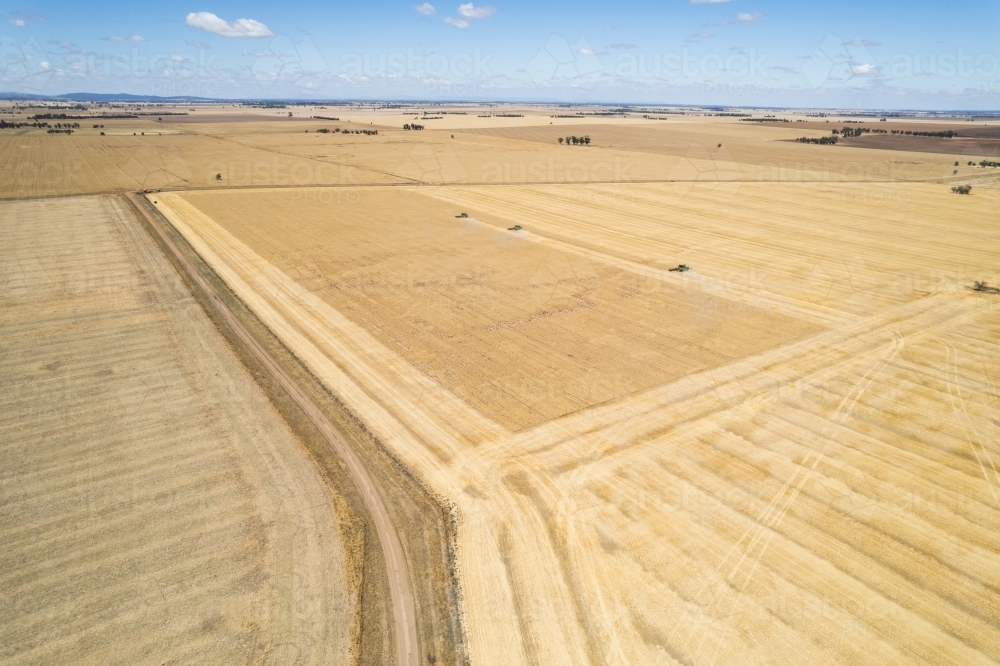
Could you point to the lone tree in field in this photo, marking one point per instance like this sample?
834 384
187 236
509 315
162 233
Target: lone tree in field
560 139
984 287
962 189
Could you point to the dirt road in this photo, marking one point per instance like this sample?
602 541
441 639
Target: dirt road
399 587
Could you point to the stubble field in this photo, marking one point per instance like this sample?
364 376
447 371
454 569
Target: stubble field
155 506
785 455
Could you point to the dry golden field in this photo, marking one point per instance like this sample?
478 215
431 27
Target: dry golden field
786 455
252 149
155 507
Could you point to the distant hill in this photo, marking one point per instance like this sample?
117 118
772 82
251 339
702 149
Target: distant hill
103 97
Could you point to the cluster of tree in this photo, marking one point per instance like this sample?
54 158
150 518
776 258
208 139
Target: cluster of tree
822 140
326 118
986 163
5 125
98 126
60 131
576 140
765 119
412 126
962 189
848 132
63 116
943 135
324 130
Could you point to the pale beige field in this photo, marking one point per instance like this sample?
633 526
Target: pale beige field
787 455
264 148
155 507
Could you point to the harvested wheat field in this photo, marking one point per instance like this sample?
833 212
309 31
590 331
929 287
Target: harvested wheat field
785 455
439 397
156 509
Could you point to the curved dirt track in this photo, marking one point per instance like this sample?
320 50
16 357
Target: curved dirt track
399 584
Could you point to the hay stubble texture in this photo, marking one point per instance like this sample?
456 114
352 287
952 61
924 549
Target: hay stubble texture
523 332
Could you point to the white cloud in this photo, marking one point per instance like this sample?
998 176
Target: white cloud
118 39
699 35
749 17
857 41
21 19
458 23
426 9
68 47
470 11
865 69
242 27
592 52
622 45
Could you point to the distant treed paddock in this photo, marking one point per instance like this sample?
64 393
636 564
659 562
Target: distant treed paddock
337 130
823 140
37 125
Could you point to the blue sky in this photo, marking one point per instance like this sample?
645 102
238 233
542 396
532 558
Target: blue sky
741 52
